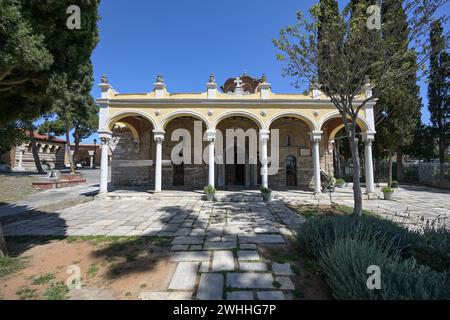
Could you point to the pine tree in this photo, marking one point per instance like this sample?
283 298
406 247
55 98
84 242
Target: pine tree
438 91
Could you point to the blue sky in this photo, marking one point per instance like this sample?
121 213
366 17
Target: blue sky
185 41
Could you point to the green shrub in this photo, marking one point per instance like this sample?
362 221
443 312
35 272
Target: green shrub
394 184
340 181
345 265
318 233
265 190
434 249
387 190
209 189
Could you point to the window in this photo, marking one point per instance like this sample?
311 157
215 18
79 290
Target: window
288 141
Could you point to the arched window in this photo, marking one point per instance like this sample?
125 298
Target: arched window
288 141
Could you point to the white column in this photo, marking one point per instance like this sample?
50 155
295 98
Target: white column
263 139
370 185
211 137
21 151
159 138
105 137
316 136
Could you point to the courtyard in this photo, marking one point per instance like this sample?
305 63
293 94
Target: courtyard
176 245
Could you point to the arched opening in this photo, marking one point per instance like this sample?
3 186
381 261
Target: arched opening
294 153
131 150
182 153
291 171
239 152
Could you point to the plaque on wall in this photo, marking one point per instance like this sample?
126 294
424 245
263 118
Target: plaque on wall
305 152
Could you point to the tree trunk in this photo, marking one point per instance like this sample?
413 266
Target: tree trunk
390 155
338 160
76 147
68 153
357 193
3 248
34 150
441 160
400 165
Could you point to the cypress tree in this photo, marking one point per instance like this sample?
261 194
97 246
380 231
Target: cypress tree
438 91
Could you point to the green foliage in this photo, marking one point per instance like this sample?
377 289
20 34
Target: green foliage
345 265
394 184
209 189
43 279
387 190
434 249
10 265
265 190
340 181
319 233
57 291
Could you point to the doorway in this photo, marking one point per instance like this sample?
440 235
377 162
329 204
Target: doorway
291 171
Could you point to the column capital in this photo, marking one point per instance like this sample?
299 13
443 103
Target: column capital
158 135
316 136
264 135
211 135
368 136
104 136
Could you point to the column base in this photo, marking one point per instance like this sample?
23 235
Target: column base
371 196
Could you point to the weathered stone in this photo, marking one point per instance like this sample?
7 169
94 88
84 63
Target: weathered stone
154 295
188 240
210 287
248 255
223 261
240 295
247 246
250 280
282 269
285 282
270 295
191 256
219 245
204 266
184 276
252 266
179 247
195 247
261 238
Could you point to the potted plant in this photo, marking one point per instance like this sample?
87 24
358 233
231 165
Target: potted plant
266 193
210 192
394 184
387 192
340 183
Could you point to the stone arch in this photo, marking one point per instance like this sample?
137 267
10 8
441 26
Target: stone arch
293 114
361 121
184 113
130 113
239 113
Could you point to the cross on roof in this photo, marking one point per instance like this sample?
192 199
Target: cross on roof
238 82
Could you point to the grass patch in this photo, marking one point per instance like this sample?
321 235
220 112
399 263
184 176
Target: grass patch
26 293
57 291
10 265
43 279
92 270
310 211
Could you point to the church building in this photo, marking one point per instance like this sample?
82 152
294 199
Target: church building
140 132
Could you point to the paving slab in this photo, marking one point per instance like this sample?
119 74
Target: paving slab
252 266
285 282
270 295
282 269
210 287
262 239
240 295
190 256
164 295
188 240
204 266
247 246
184 276
248 255
223 261
219 245
250 280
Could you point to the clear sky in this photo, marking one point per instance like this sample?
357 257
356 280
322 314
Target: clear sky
185 41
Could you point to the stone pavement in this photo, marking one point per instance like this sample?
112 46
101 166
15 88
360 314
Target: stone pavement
413 206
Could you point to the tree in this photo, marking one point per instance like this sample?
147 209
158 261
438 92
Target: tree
399 102
350 60
438 91
422 146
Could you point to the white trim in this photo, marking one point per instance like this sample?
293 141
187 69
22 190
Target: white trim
184 112
131 112
237 113
292 113
336 114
